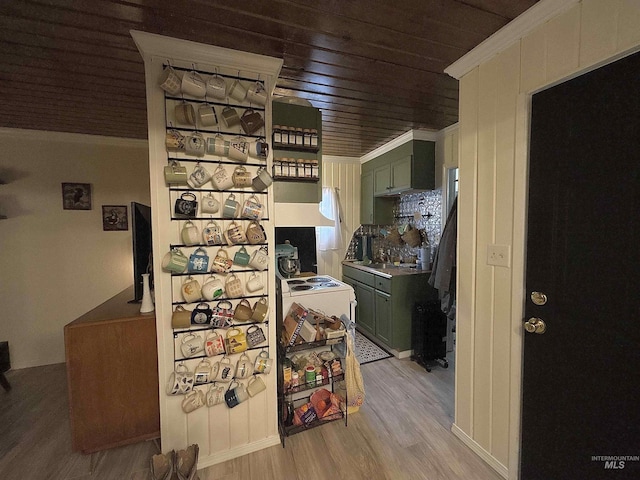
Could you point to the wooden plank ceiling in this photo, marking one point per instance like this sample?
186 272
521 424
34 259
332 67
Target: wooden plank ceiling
374 68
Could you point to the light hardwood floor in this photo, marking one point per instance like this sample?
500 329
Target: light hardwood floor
402 432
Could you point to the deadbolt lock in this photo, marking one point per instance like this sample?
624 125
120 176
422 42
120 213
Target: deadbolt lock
538 298
535 325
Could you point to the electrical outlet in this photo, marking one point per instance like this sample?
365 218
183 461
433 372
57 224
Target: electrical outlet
499 255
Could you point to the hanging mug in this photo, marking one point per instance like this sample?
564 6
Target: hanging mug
175 174
214 345
255 233
199 176
198 261
263 363
209 204
252 208
255 386
212 289
237 91
193 84
191 290
185 114
217 145
217 87
195 145
255 336
190 233
236 341
225 371
262 180
251 121
242 312
260 310
241 257
231 207
255 283
244 367
175 261
221 178
241 177
259 259
202 373
215 395
257 94
212 234
170 81
191 345
222 315
180 318
207 115
230 116
180 381
233 286
186 205
259 148
234 234
221 262
174 141
238 149
193 400
201 315
235 395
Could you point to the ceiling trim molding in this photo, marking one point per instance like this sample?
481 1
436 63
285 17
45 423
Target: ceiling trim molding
518 28
425 135
339 159
446 130
178 50
68 137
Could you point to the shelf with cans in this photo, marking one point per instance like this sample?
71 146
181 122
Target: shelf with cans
310 352
218 183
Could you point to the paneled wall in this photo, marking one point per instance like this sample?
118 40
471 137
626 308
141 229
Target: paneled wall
342 173
494 102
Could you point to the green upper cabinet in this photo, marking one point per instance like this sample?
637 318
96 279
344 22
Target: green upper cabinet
298 190
366 198
408 167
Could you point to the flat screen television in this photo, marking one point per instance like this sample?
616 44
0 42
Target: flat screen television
142 246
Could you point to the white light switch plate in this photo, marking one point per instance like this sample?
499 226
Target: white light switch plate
499 255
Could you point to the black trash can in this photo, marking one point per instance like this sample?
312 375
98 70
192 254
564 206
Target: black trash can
429 334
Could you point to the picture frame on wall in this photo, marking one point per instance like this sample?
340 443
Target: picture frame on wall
76 196
114 218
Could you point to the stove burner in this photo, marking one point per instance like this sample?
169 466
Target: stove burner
318 280
295 282
299 288
331 284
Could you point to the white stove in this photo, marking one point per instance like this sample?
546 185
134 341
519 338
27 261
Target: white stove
312 285
320 292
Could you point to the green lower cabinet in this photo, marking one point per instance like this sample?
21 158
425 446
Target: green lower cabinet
383 317
365 310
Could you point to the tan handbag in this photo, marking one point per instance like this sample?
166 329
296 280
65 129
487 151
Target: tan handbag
181 318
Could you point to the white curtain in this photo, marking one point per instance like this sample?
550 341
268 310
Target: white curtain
330 238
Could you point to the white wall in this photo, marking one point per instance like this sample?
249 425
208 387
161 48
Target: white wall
493 164
342 173
57 264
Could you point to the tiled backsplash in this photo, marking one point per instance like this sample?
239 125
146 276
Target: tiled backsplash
423 210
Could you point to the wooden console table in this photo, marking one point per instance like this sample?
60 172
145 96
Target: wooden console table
112 375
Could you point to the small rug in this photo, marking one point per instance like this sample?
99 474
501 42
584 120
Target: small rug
367 351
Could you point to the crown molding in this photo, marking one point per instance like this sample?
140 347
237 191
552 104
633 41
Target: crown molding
67 137
425 135
447 130
518 28
185 51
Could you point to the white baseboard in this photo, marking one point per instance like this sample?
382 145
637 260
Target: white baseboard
230 454
481 452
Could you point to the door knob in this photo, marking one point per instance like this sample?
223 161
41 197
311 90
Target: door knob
538 298
535 325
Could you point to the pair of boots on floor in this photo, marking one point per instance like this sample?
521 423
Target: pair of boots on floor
180 465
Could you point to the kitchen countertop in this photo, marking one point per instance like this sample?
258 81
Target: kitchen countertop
387 269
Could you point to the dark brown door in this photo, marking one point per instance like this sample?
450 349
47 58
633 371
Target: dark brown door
581 378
